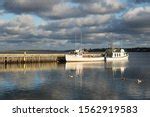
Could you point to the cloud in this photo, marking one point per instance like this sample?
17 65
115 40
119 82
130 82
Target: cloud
88 21
2 12
103 6
19 6
19 28
61 9
21 32
99 20
141 1
138 18
137 14
19 25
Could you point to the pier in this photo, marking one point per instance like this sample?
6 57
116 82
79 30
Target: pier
30 58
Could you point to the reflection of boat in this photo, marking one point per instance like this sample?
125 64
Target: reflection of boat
83 65
117 67
76 70
116 64
116 54
81 56
80 66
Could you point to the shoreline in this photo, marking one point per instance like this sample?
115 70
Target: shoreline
136 49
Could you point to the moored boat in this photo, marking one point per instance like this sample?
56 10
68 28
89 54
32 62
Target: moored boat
81 56
116 54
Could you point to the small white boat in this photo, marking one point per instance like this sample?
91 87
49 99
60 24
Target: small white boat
81 56
116 54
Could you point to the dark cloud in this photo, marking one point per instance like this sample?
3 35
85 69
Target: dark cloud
61 9
85 1
138 19
54 9
141 1
21 6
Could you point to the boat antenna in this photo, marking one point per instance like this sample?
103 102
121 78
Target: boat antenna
81 40
75 41
121 44
112 43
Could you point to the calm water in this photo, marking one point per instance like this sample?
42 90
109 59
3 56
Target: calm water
77 81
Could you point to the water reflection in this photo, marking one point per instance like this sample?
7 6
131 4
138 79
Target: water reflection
76 80
111 78
29 67
22 81
117 68
114 67
96 78
80 66
77 70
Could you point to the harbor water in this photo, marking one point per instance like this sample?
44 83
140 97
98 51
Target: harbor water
120 80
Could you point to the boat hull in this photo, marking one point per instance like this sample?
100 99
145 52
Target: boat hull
80 58
116 58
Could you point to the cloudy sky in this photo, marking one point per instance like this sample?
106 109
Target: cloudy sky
53 24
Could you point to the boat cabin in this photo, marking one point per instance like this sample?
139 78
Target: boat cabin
114 53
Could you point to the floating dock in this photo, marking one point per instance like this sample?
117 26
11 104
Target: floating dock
30 58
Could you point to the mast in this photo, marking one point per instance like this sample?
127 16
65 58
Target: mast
75 42
121 43
81 39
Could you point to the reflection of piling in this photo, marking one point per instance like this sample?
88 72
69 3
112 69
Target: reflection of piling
29 67
24 58
30 58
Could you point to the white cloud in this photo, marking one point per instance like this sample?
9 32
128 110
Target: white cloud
138 19
2 12
103 6
90 20
138 14
97 19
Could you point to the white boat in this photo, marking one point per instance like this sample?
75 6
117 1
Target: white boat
81 56
116 54
110 54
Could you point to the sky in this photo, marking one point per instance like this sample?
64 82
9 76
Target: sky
60 24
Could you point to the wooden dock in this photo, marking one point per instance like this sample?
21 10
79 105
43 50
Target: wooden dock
30 58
